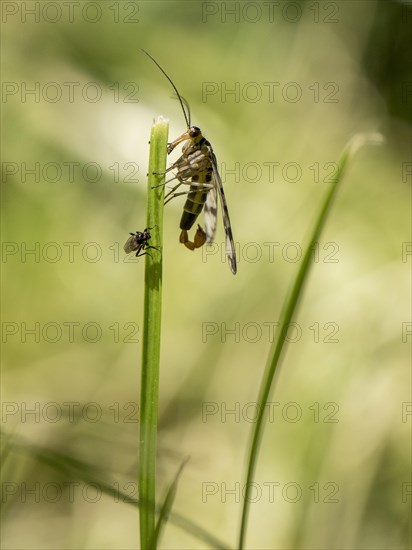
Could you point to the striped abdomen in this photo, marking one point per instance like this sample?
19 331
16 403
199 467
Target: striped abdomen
196 199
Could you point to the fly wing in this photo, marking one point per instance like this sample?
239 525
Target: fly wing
230 245
210 214
131 244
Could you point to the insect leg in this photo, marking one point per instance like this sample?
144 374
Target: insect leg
148 253
162 174
160 184
172 191
179 194
165 172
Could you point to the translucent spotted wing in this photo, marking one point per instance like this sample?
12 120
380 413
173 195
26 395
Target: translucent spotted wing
230 245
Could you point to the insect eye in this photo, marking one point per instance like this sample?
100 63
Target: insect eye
194 131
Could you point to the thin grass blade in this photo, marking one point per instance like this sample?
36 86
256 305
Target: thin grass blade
288 314
167 505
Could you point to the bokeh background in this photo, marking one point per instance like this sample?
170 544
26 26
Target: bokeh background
278 88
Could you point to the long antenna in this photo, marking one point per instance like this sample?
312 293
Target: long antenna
182 103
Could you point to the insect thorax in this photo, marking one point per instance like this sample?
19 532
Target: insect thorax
195 163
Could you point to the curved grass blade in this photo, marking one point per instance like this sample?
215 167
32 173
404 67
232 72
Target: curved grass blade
167 506
77 469
288 314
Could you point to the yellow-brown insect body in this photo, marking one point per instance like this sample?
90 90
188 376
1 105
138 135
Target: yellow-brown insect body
197 167
195 164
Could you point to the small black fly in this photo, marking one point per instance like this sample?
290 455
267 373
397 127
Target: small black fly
139 242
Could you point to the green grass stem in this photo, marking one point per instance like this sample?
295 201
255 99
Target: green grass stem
149 392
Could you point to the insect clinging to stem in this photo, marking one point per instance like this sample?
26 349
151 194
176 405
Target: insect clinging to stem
197 167
138 242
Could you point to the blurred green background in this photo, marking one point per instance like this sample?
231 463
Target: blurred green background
304 76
